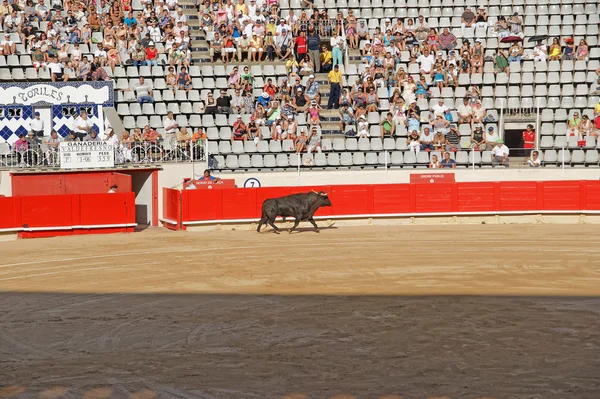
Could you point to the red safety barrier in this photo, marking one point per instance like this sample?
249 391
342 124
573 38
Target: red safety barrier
57 215
172 208
244 204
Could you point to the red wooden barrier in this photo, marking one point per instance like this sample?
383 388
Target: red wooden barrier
171 208
55 215
244 204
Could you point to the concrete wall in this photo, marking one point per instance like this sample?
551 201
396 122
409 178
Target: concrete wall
5 183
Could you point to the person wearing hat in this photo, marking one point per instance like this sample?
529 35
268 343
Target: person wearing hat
481 18
300 101
110 137
347 116
283 44
312 89
36 126
478 141
491 138
500 154
9 47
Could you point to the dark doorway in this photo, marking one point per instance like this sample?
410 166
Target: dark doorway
513 139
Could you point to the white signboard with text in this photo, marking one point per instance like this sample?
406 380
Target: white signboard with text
87 154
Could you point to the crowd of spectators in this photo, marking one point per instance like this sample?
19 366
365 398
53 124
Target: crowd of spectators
53 33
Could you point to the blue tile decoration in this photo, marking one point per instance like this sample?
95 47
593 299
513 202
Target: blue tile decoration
11 127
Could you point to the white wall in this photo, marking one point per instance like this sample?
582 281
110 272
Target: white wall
5 183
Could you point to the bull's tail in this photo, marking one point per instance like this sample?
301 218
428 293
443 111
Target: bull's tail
267 218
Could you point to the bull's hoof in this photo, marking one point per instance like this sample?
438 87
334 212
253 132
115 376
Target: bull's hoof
317 231
290 231
276 231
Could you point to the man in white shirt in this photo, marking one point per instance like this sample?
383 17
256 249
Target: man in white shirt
282 28
36 126
439 108
465 112
181 16
426 140
426 61
171 127
8 46
56 70
500 154
142 90
534 161
252 8
82 126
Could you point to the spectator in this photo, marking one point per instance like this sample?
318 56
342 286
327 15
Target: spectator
347 117
582 50
240 130
500 154
184 80
502 28
326 58
501 62
151 136
529 137
224 103
516 24
111 137
273 113
362 31
478 139
481 18
426 140
534 161
448 162
387 125
52 143
207 177
300 44
171 79
426 61
84 70
36 126
447 41
439 142
540 52
8 46
183 140
283 44
441 125
555 50
479 113
143 91
515 52
467 19
491 138
56 70
301 141
453 139
465 112
414 141
434 164
337 46
314 140
171 127
82 125
313 114
71 137
216 47
363 127
92 136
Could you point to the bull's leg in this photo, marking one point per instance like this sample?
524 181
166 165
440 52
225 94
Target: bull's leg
272 224
263 220
312 221
296 223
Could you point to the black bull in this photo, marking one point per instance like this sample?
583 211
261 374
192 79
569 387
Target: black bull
299 206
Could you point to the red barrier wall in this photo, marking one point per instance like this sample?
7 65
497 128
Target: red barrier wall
172 208
68 183
448 198
54 215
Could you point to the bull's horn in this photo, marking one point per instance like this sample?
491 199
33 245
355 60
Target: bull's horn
323 193
313 191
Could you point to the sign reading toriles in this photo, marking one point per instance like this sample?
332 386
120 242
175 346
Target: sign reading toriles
77 93
86 154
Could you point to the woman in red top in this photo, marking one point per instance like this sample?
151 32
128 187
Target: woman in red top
529 137
300 43
152 55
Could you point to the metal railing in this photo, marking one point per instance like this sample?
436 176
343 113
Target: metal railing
135 153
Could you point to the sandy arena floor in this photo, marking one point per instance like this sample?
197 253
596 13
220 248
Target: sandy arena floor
353 312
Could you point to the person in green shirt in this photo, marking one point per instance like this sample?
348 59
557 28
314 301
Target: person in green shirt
388 127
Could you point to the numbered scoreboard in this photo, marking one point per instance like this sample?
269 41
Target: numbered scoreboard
86 154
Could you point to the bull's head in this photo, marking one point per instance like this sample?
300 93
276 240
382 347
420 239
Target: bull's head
323 198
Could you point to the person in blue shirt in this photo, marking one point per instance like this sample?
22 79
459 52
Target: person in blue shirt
448 162
264 99
208 177
130 19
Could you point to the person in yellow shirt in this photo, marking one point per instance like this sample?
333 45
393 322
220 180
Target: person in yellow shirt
271 27
241 6
335 84
326 60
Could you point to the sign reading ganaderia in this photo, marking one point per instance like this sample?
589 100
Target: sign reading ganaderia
87 154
